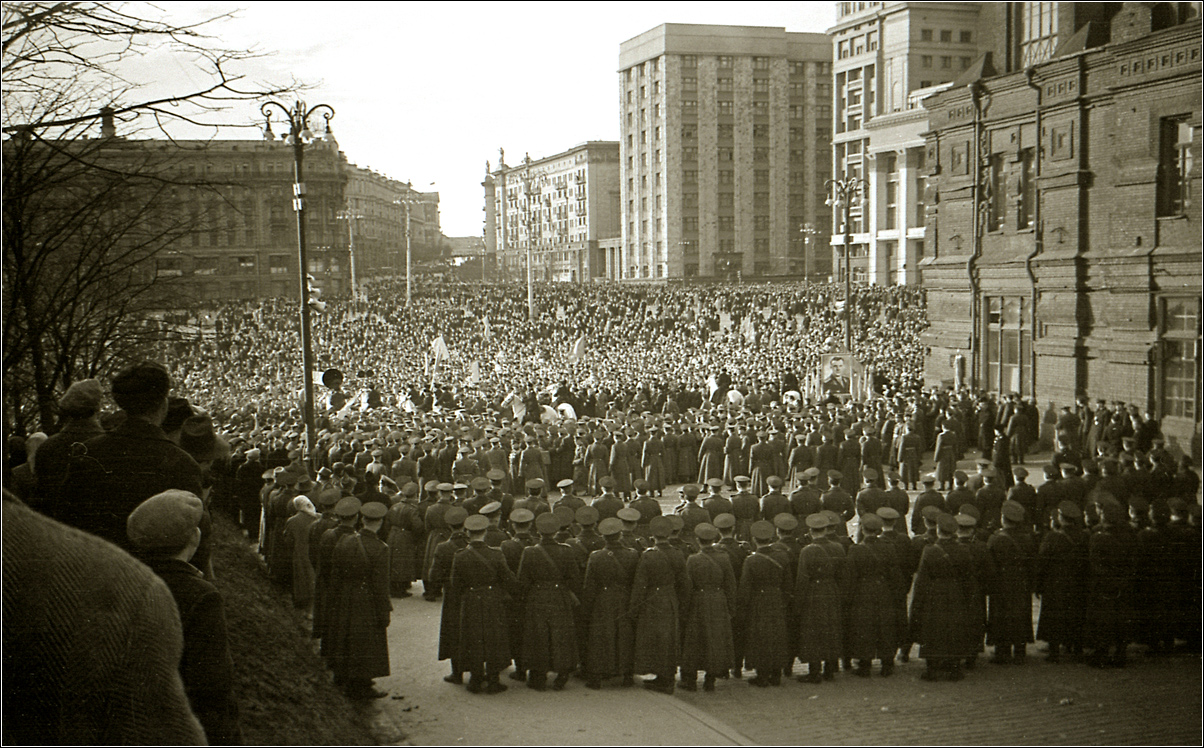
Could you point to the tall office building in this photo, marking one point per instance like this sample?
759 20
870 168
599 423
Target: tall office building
724 149
886 58
554 211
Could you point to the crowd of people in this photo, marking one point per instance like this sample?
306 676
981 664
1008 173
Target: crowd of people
518 471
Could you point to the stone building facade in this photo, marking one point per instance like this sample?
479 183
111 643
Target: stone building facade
1064 214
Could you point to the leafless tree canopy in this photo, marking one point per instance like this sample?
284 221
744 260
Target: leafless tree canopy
87 219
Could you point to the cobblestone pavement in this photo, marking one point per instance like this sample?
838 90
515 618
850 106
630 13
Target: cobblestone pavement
1152 701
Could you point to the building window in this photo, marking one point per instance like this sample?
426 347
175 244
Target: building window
761 176
205 266
946 36
726 176
760 132
689 83
689 153
966 37
689 176
925 61
278 264
689 106
689 224
761 85
727 245
760 153
690 199
724 84
727 223
691 270
892 202
246 264
965 62
997 205
761 223
1039 32
797 90
797 68
689 61
1174 166
1024 216
925 35
1180 357
725 62
727 200
760 63
725 108
796 111
725 132
1008 349
760 108
689 132
725 154
946 62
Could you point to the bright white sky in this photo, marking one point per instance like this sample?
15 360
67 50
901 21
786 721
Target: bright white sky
427 92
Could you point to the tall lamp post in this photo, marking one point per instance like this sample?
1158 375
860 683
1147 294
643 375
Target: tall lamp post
298 134
406 202
842 193
809 233
530 234
351 217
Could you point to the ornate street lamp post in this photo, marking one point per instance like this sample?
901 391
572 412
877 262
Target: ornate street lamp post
841 196
298 134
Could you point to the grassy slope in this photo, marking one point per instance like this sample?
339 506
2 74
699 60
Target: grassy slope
283 689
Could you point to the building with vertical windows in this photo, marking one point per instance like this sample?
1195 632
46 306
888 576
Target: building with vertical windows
887 57
1064 210
558 209
725 134
377 207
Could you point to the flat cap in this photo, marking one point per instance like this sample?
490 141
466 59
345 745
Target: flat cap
409 489
610 526
887 513
481 484
491 508
930 512
928 479
661 527
835 475
587 515
871 523
785 521
762 530
675 521
692 489
82 397
535 484
706 531
817 521
725 521
960 476
496 474
971 510
946 523
1020 472
348 507
564 514
966 520
547 524
522 515
373 510
742 479
715 482
607 482
811 473
627 514
329 496
476 523
165 521
445 487
1013 511
455 516
773 481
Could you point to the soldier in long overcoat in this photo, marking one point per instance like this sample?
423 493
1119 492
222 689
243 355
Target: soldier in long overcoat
652 461
360 607
872 575
818 602
707 634
1010 619
762 598
1060 578
550 583
440 575
660 588
405 532
939 604
605 595
710 456
480 585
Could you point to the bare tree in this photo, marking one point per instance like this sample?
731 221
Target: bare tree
88 221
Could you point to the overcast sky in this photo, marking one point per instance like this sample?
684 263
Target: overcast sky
427 92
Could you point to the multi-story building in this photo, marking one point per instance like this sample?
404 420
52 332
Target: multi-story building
886 58
555 210
377 207
1064 211
725 135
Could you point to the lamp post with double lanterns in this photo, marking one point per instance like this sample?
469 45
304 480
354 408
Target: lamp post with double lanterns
299 133
406 202
350 216
809 233
841 194
532 204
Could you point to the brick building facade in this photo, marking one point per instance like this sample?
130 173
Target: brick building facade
1064 212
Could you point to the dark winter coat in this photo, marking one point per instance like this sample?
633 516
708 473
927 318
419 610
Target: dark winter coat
707 634
550 581
658 592
817 597
762 598
358 618
605 595
480 587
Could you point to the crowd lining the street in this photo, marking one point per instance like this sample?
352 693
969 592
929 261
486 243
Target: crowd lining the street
517 474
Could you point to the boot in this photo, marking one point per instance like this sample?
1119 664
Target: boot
708 683
593 683
888 667
519 675
830 668
688 680
813 674
1055 654
454 678
955 674
475 683
1019 653
863 668
537 681
561 681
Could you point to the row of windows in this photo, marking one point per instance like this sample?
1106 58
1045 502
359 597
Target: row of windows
946 36
689 107
946 62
